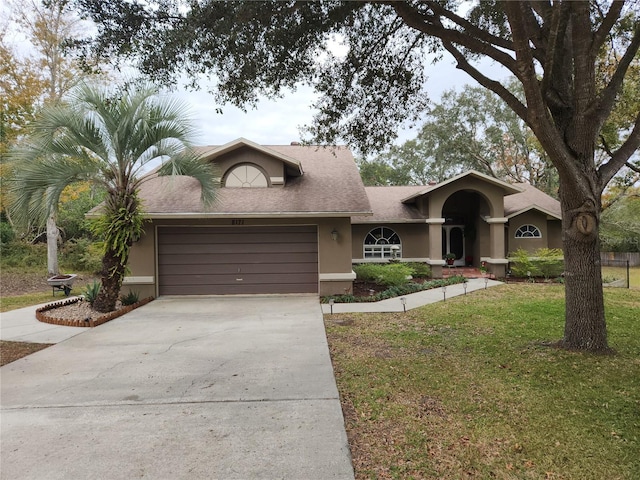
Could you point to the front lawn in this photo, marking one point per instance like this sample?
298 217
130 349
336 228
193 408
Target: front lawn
472 388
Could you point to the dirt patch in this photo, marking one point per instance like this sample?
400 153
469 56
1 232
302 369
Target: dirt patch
13 284
12 351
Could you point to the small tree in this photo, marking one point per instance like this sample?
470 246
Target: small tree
105 138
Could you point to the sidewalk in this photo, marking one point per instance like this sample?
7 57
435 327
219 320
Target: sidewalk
21 326
413 300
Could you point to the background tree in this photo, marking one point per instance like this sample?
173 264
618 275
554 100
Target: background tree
106 139
38 72
471 129
552 48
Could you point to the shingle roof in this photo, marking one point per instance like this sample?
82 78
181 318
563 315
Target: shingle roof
530 198
387 203
387 206
330 186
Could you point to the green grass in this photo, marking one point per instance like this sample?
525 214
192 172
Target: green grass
472 388
20 301
620 273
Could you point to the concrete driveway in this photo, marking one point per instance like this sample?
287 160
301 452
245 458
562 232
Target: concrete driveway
182 388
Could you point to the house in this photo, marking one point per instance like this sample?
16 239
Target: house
294 218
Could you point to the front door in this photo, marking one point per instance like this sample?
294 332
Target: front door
453 242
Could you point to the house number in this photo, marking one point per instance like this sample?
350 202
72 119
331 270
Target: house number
237 221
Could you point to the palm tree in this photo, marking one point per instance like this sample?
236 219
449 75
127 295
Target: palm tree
107 138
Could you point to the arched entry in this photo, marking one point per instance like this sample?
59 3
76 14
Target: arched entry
453 242
462 213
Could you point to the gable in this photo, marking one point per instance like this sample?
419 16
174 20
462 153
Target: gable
275 166
318 182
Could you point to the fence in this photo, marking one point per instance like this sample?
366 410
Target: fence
616 273
632 257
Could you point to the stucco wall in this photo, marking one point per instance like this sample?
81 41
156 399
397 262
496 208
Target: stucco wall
274 168
532 217
413 236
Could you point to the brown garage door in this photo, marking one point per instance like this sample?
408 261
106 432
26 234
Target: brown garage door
235 260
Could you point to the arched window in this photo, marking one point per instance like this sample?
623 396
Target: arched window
245 175
528 231
382 242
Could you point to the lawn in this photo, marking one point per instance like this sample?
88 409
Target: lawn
473 388
620 273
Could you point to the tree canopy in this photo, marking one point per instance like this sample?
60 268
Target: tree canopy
376 80
470 129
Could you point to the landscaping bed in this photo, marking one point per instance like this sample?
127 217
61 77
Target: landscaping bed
77 313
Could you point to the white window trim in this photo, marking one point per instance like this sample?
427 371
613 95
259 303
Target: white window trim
381 251
519 229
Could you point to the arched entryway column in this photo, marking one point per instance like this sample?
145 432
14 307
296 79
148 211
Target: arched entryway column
435 246
496 261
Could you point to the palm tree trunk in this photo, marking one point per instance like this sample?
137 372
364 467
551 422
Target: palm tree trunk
52 245
112 275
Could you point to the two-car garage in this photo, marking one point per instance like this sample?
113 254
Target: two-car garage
237 260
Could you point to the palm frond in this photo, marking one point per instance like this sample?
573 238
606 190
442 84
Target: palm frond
190 164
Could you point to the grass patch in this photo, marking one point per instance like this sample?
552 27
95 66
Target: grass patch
620 273
20 301
470 388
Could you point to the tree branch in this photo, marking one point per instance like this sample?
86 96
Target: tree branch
432 26
632 167
493 85
605 27
555 56
469 27
538 118
606 100
621 156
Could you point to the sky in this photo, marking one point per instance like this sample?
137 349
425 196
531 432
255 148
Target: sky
278 122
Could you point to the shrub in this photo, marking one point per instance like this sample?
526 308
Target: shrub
419 269
91 291
130 298
6 233
82 255
544 262
383 274
396 291
549 261
22 254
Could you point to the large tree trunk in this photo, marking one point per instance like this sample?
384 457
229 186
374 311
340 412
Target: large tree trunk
585 326
112 275
53 234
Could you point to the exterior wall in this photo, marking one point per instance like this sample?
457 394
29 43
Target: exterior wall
554 233
414 238
531 217
274 168
491 193
334 257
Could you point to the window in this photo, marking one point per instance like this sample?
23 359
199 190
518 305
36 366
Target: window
246 176
382 242
528 231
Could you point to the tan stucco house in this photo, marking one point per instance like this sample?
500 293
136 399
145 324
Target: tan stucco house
294 218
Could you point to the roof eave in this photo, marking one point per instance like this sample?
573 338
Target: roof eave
507 187
209 215
534 207
243 142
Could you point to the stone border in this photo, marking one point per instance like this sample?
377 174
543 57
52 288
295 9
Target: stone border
42 317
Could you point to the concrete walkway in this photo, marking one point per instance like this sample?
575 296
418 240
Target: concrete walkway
413 300
182 388
21 326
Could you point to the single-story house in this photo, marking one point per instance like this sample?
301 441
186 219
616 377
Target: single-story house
294 218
